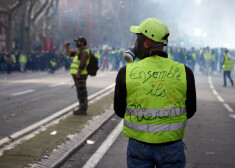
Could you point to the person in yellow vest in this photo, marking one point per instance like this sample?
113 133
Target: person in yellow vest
213 61
23 61
52 66
78 70
155 96
67 60
227 65
13 57
191 58
208 59
98 55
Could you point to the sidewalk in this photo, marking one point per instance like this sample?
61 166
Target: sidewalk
43 144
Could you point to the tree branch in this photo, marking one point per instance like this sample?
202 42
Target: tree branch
32 3
3 25
49 7
39 11
55 9
16 5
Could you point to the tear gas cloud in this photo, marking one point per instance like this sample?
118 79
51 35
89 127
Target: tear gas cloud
202 22
197 23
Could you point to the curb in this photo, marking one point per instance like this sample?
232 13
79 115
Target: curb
60 154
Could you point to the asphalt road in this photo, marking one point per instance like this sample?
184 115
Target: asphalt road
209 135
26 98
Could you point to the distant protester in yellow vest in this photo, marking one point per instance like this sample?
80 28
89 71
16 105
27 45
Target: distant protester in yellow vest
23 61
78 70
227 66
52 66
155 96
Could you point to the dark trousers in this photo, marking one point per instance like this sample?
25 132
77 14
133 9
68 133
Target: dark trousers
80 84
143 155
9 68
228 74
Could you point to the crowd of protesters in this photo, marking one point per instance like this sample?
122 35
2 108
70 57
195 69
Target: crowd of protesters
34 61
110 59
209 60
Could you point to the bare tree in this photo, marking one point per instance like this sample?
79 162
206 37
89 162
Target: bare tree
32 17
11 9
32 12
45 12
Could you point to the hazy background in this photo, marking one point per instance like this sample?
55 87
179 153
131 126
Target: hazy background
192 23
205 22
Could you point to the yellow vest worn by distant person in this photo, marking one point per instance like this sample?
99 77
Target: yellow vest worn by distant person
228 64
76 62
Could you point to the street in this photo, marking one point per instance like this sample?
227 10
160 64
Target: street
209 135
30 97
137 57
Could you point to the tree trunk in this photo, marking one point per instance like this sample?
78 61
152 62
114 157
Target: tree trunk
9 34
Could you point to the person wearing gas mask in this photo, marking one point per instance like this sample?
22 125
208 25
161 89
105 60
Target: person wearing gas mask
155 96
79 72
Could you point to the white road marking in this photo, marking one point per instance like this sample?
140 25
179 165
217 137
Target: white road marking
46 120
211 86
220 99
228 108
95 158
23 92
215 92
217 95
57 84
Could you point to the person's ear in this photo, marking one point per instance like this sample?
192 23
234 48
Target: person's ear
146 44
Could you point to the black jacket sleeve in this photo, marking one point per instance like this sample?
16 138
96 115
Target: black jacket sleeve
121 93
191 102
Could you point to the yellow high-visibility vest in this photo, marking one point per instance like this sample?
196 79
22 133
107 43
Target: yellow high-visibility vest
23 58
76 62
228 64
156 95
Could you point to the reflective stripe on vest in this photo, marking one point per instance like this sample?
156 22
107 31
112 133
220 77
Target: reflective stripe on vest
76 62
155 112
156 95
228 64
155 128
